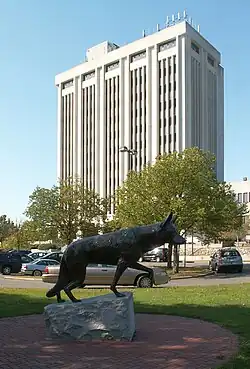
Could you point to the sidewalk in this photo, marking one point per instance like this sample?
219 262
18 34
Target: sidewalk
161 342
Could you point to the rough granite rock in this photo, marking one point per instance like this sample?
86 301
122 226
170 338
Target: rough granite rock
104 317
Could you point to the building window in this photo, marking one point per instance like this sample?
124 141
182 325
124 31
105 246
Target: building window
195 47
245 197
112 66
210 60
239 198
68 84
88 76
167 45
138 56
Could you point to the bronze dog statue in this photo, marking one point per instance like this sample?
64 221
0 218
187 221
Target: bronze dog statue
122 248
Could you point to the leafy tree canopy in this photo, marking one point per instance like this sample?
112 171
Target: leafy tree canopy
66 209
186 184
7 228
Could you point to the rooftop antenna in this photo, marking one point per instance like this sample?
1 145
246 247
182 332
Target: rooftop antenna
143 33
172 17
198 28
158 27
185 14
167 21
179 16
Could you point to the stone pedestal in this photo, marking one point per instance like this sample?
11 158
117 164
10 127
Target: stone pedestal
104 317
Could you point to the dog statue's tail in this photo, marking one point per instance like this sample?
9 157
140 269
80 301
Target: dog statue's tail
62 281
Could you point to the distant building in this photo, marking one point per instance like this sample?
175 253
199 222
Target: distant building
242 195
242 191
159 94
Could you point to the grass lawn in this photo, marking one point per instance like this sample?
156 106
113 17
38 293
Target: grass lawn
228 306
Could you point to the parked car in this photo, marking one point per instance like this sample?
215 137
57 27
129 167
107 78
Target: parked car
37 267
159 254
10 263
103 274
20 252
55 255
227 259
25 258
38 254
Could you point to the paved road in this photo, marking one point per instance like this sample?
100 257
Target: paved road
230 278
213 280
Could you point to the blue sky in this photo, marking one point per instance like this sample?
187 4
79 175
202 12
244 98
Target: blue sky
40 38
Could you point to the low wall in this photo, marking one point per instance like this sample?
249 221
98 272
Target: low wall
206 258
199 250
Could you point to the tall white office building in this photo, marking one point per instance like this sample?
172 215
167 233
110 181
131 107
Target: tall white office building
161 93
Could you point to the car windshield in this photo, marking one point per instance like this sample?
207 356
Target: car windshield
229 253
155 251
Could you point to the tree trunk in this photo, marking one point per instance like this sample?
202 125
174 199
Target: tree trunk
170 251
176 259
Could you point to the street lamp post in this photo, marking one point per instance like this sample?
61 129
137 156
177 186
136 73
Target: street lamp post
131 153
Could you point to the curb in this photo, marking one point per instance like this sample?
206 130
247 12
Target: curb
22 278
192 276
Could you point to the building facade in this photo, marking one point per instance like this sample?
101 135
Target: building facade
159 94
242 191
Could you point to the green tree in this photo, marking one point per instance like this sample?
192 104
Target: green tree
223 214
184 183
237 233
66 209
23 236
110 226
7 228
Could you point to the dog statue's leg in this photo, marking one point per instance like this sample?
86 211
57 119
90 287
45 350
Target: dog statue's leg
75 284
120 269
59 297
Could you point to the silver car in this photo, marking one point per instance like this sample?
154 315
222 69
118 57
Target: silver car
103 274
227 258
37 267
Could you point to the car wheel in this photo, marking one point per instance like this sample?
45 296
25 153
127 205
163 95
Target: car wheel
37 273
210 267
217 268
145 282
158 259
6 270
240 269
